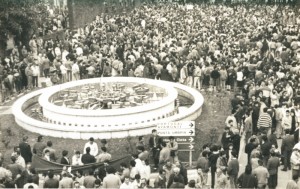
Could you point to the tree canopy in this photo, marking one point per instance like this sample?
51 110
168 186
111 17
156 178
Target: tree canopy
20 18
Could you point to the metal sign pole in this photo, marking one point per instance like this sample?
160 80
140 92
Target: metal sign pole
191 157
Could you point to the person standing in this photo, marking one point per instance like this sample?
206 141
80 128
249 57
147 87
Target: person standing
286 149
75 71
278 120
265 149
25 150
51 182
287 122
51 151
262 175
76 159
35 75
233 169
15 169
221 181
89 181
226 139
249 148
87 158
292 184
154 144
164 155
203 164
104 156
272 167
65 182
111 180
93 147
247 180
173 146
39 147
295 162
65 160
213 163
264 122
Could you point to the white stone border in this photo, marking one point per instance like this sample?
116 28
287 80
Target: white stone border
73 132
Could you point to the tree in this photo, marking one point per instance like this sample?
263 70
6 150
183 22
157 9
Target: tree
20 18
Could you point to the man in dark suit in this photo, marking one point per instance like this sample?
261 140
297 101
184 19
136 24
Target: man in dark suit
272 167
88 158
265 149
213 163
249 147
25 150
51 182
287 148
65 160
233 169
155 145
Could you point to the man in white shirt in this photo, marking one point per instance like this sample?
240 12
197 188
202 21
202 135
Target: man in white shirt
93 146
63 71
76 159
20 160
75 71
127 184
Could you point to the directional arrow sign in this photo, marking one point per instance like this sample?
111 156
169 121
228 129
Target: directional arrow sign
180 128
181 139
176 125
186 147
191 147
176 132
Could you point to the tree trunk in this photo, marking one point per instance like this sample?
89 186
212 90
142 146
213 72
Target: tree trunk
71 14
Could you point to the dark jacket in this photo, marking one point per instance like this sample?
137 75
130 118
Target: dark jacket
273 164
287 143
265 148
233 167
247 181
213 161
51 183
87 158
64 161
170 182
157 141
249 147
226 139
25 151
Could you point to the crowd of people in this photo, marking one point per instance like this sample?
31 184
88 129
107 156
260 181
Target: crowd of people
253 50
189 44
129 175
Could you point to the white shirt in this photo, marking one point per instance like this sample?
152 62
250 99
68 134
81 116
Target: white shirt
20 160
35 70
239 76
94 148
76 161
63 69
75 68
126 186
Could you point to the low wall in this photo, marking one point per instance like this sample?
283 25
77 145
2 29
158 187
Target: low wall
82 132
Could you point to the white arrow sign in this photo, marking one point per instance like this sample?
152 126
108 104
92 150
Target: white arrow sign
191 139
176 125
176 132
191 146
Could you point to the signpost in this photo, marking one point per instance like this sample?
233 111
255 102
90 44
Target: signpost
182 131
